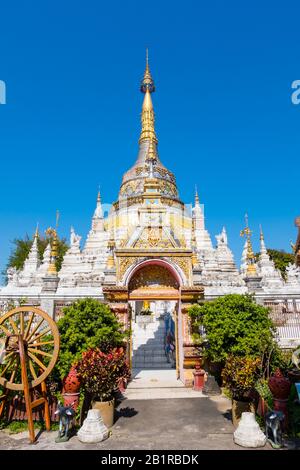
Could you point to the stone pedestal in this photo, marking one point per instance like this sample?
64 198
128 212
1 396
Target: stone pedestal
248 432
253 283
211 387
93 429
50 283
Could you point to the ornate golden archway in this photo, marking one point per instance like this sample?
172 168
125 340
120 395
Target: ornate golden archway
153 281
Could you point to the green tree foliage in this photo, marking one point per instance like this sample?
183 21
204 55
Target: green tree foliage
234 325
86 324
281 259
22 246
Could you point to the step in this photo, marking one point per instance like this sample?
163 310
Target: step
149 344
148 354
160 393
138 365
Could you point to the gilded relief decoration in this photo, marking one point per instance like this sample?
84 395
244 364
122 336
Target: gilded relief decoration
124 263
153 237
184 262
153 276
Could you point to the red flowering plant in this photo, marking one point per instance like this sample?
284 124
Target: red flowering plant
100 373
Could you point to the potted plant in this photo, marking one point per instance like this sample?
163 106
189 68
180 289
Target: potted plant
239 377
280 387
100 374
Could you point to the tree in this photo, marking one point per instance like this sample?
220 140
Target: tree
22 248
234 325
281 259
86 324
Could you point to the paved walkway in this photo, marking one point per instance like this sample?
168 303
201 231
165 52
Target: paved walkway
157 384
167 424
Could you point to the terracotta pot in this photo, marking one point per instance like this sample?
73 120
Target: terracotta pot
71 399
71 383
107 410
238 407
280 386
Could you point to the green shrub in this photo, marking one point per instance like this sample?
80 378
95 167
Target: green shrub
234 325
86 324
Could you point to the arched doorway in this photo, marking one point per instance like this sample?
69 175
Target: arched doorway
156 342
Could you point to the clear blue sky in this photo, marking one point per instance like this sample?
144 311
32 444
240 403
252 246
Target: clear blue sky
225 121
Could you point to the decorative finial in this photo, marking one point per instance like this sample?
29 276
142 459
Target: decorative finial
261 236
251 267
196 196
99 196
147 118
57 218
36 234
147 84
52 233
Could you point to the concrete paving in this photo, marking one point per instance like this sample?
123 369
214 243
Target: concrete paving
167 424
157 384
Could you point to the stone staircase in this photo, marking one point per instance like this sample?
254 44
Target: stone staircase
148 344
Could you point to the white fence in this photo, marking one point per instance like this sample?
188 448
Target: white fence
286 317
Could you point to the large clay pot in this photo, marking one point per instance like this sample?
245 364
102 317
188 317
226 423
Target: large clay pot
239 407
71 383
107 411
279 385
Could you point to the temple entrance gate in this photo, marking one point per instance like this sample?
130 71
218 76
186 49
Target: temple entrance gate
155 285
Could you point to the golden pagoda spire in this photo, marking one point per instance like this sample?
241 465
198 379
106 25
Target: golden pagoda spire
251 267
110 264
151 154
36 233
52 232
147 118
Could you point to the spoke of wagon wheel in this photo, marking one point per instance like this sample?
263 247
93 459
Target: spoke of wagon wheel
42 343
35 329
21 323
12 360
12 377
9 354
40 335
29 324
38 351
36 360
6 331
14 326
31 367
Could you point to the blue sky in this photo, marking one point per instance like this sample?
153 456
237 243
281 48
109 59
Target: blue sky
224 116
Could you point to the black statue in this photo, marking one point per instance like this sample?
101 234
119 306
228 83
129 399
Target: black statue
273 428
66 416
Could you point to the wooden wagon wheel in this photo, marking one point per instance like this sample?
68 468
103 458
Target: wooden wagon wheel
41 346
